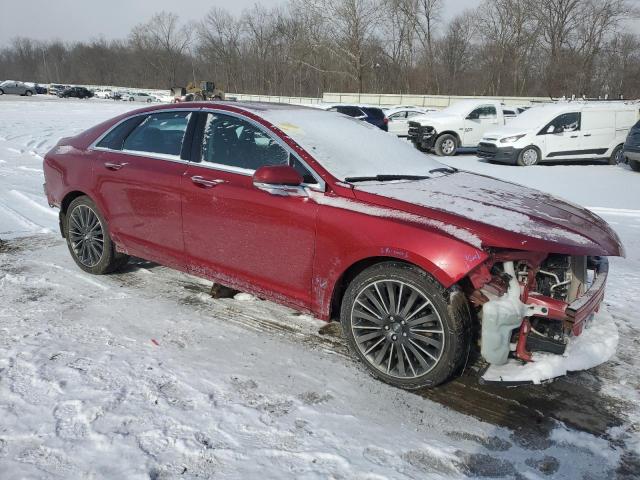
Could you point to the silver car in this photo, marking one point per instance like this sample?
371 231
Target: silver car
16 88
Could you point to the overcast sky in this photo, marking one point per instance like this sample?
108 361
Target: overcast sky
87 19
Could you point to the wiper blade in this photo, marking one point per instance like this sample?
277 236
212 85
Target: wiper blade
385 178
444 170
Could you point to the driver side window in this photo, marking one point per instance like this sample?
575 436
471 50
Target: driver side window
567 122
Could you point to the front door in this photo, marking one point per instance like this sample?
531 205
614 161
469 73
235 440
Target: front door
138 179
477 123
561 137
237 234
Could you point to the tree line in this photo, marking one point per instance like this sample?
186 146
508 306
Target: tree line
307 47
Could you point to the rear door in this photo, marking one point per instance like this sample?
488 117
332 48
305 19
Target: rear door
561 138
138 179
237 234
598 132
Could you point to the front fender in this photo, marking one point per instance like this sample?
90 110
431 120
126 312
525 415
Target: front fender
376 236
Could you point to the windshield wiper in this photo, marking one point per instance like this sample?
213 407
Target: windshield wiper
444 170
385 178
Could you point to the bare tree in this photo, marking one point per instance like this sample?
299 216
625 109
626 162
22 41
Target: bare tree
163 43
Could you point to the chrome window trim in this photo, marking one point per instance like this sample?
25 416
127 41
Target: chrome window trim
321 186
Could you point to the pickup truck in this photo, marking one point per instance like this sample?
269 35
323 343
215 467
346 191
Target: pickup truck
460 125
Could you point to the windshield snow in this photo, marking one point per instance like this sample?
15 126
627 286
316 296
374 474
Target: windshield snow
347 147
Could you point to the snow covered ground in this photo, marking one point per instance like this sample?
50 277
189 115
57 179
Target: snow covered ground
142 374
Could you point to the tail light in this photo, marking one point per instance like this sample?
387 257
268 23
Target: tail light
385 120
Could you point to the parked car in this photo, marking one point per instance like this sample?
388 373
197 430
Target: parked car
566 131
55 89
399 118
631 148
75 92
373 115
281 202
139 97
11 87
40 90
460 125
104 94
119 94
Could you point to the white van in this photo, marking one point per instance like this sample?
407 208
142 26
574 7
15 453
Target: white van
560 132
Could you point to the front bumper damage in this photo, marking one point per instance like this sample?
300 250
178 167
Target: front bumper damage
510 306
423 137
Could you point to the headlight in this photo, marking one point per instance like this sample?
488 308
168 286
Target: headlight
515 138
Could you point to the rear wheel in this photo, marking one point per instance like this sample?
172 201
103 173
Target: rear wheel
529 156
446 145
1 92
88 238
616 156
28 93
398 322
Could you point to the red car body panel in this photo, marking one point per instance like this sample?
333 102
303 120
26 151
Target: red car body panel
295 250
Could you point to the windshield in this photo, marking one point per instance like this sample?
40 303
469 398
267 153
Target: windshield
348 147
535 117
460 108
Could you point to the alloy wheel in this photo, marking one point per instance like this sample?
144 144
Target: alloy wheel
397 329
448 146
530 157
86 235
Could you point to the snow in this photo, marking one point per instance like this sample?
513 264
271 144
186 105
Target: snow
143 375
596 345
332 144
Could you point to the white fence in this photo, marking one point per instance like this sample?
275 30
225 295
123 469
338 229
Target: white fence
435 101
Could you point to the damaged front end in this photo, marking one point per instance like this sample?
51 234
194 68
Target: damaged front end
534 302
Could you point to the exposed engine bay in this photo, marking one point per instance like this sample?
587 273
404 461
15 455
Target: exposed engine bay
529 302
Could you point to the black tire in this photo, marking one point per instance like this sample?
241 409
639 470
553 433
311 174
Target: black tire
453 324
1 92
526 155
616 155
109 260
635 165
28 93
446 145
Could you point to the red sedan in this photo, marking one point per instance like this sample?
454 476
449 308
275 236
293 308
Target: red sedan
326 214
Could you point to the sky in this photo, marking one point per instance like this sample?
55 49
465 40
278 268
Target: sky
75 20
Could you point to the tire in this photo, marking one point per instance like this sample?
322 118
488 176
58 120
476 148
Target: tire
1 92
28 93
446 145
635 165
616 156
149 100
424 363
80 218
529 156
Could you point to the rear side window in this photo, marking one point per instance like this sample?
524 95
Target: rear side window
115 138
351 111
160 133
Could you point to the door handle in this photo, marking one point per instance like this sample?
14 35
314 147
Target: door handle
574 136
114 166
587 135
203 182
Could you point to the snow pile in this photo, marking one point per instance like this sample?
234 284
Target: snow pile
596 345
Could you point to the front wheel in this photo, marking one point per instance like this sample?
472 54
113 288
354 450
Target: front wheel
446 145
528 156
28 93
398 322
88 238
616 156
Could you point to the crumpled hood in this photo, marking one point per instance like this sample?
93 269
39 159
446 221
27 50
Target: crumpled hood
501 214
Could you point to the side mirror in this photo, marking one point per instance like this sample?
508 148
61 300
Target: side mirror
551 129
279 180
